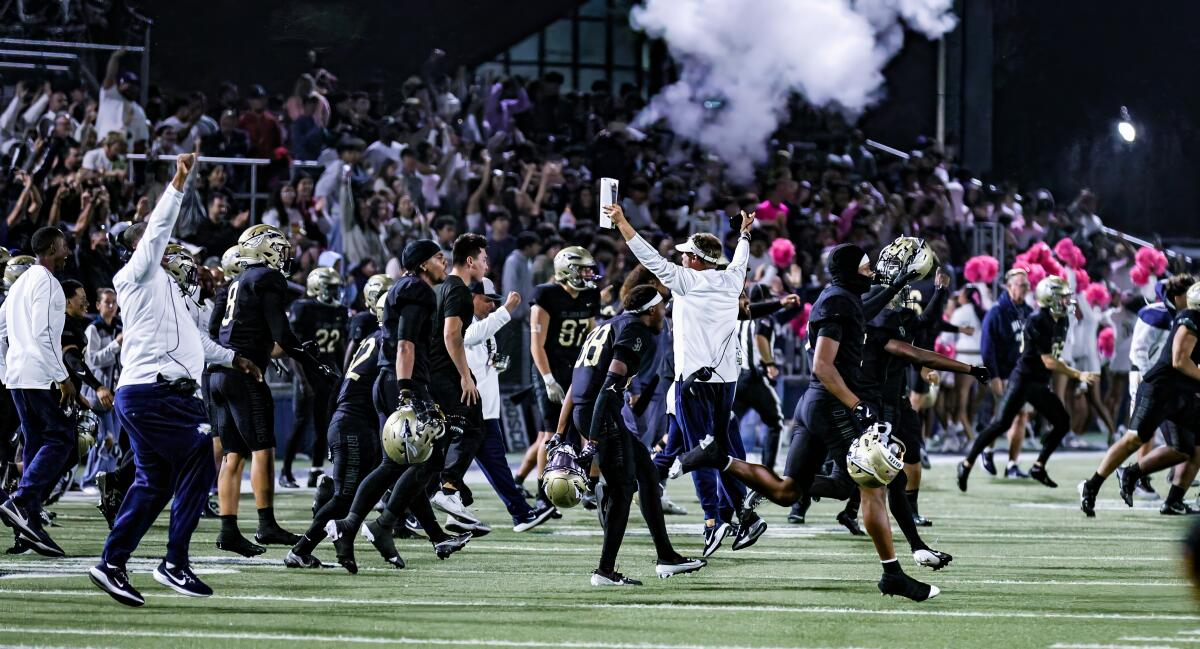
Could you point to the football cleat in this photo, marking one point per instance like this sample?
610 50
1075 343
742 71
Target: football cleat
275 536
1038 472
682 566
182 580
1144 490
964 471
850 522
286 481
1125 485
314 477
752 501
381 538
1014 472
1177 509
451 545
921 521
324 492
455 526
714 536
989 462
799 510
293 560
20 546
115 582
452 504
931 558
110 497
1087 499
238 544
344 547
706 455
670 507
613 578
905 586
532 519
750 529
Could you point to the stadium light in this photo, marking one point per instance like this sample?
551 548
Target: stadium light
1125 127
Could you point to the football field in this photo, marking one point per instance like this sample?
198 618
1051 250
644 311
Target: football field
1029 571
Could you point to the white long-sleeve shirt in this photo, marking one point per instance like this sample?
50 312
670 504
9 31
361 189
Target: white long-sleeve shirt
705 311
161 334
480 342
31 326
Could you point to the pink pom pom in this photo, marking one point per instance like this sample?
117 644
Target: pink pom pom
799 324
1160 264
1106 342
1140 275
783 252
1153 260
1052 267
1039 252
1097 294
1082 281
981 269
1070 254
945 349
1036 273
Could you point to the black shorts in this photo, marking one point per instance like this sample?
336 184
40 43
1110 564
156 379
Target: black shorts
547 411
1176 413
906 427
243 411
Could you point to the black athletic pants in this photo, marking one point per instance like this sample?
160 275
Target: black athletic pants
1019 392
316 407
755 392
354 451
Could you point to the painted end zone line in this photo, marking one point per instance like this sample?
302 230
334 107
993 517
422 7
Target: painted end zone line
747 608
448 642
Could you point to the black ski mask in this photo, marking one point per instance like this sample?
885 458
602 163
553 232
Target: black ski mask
842 266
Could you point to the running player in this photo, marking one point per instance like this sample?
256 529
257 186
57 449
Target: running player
364 323
1044 336
320 320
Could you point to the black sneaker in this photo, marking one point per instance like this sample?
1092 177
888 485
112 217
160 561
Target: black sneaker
182 580
681 566
381 538
1177 509
989 462
714 536
707 454
275 535
850 523
344 549
20 546
931 558
905 586
414 526
324 492
294 560
458 526
1125 486
964 472
287 481
1087 499
613 578
541 503
534 518
1144 489
212 508
109 502
238 544
1038 472
42 544
921 521
750 529
451 545
15 516
314 477
799 510
115 582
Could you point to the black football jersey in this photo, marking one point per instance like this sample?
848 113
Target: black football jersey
570 322
453 300
218 312
254 319
838 314
625 338
408 315
324 324
362 325
1163 371
884 375
354 398
1043 335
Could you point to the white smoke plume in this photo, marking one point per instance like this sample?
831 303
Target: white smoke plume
751 54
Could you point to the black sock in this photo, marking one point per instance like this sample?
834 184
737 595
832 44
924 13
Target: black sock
1175 495
387 520
1134 472
448 490
229 524
266 518
306 544
912 501
1095 482
892 567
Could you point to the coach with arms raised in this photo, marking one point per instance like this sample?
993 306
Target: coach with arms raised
157 404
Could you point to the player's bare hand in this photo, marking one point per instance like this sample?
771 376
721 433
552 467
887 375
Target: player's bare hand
106 397
511 302
66 393
789 301
470 394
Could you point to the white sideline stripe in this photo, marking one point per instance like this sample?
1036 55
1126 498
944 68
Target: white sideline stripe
1063 645
449 642
736 608
1163 639
814 532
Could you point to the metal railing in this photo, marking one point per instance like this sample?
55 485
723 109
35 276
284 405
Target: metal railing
144 50
254 163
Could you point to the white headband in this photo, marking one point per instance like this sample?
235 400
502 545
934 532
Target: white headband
657 299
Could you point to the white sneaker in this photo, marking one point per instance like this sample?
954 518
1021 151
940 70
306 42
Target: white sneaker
670 508
686 565
612 579
452 504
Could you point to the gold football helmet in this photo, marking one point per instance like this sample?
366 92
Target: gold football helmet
325 284
875 458
903 256
1054 295
575 267
268 245
376 286
15 267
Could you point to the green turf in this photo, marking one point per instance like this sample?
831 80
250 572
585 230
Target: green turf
1023 576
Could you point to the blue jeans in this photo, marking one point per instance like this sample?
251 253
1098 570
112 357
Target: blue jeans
169 435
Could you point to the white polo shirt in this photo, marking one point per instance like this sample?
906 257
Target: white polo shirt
31 326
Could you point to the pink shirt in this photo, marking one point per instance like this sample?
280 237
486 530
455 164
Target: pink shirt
767 212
